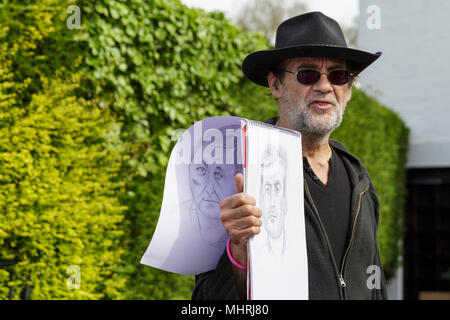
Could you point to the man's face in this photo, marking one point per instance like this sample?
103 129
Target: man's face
312 109
273 200
211 183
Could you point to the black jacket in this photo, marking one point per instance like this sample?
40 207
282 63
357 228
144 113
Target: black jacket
355 278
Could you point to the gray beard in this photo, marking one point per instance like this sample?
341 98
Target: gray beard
302 118
304 123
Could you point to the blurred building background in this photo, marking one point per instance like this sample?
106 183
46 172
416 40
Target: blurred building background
412 78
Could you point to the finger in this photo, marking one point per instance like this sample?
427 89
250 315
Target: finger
245 211
239 182
232 215
237 200
242 199
241 236
247 222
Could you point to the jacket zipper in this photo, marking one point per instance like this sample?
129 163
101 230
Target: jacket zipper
340 277
341 273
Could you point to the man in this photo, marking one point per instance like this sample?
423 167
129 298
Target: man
273 200
310 74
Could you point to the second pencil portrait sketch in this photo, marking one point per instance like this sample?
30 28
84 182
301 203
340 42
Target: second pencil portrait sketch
273 198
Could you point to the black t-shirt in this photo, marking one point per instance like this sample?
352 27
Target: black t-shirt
333 203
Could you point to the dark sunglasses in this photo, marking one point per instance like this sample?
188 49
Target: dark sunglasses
310 76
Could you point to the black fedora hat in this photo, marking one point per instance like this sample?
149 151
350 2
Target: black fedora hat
311 34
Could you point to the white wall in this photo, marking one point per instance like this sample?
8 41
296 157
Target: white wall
413 75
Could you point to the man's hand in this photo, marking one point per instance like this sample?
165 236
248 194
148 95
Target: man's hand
241 219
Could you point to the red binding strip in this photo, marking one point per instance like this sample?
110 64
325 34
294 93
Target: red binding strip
245 145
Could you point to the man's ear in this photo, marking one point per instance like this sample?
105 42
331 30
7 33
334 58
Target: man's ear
274 85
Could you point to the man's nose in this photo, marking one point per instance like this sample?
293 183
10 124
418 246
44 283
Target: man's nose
323 85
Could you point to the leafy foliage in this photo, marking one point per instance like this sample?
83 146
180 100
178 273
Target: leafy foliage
159 66
59 162
58 204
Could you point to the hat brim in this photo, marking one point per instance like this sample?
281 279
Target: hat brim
257 64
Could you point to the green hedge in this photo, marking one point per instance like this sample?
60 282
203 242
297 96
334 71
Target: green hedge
58 188
159 66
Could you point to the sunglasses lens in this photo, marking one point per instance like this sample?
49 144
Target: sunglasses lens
336 77
308 77
339 77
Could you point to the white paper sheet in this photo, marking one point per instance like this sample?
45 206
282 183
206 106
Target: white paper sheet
189 237
274 176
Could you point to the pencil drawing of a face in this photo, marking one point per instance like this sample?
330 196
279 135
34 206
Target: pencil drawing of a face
212 181
273 199
209 184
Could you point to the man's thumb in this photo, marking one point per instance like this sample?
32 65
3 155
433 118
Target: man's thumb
239 182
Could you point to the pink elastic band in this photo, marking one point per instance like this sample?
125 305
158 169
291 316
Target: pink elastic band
234 262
